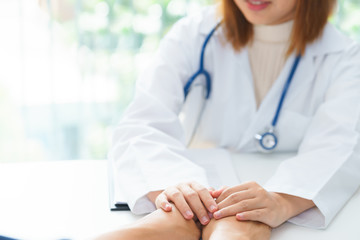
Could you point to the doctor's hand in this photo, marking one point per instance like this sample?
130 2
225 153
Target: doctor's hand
249 201
191 199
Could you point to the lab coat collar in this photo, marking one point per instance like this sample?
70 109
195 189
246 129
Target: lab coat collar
210 18
331 40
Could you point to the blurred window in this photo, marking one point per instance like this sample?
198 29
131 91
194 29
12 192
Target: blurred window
68 69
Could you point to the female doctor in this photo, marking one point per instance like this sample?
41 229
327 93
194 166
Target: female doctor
276 77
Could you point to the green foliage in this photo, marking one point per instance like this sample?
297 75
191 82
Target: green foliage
347 18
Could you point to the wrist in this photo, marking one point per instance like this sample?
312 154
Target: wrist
285 208
293 205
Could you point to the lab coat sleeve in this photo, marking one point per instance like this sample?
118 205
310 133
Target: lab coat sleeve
149 151
327 166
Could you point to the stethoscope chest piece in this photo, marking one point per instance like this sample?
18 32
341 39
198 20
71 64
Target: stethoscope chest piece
267 140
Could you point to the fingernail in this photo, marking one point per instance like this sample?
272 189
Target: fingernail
205 219
168 206
217 214
213 208
189 214
240 216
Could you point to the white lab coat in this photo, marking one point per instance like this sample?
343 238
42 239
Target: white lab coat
319 119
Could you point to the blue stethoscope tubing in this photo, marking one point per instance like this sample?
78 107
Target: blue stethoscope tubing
267 140
202 70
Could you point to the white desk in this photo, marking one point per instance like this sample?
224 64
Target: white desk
69 199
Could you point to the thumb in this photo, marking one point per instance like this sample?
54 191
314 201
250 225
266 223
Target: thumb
163 203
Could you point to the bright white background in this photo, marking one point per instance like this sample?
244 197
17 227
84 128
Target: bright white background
68 69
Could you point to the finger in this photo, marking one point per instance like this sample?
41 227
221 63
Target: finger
236 198
217 193
228 191
238 188
254 215
163 203
175 196
232 210
193 199
205 197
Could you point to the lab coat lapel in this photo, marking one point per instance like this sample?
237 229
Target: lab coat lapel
305 75
247 74
265 114
239 86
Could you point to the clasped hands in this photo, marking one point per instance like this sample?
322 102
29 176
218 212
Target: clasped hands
247 201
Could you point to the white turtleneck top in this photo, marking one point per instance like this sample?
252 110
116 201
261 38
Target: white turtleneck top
267 55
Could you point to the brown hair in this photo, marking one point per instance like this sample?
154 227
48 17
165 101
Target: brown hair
310 19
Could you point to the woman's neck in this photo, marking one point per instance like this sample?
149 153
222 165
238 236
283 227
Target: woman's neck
273 33
267 55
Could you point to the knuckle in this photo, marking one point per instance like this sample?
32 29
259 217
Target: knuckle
253 184
190 195
192 183
170 189
250 182
259 190
159 198
166 193
175 194
258 214
226 192
233 198
202 211
202 190
244 205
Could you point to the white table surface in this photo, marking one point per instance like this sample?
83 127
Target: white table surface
69 199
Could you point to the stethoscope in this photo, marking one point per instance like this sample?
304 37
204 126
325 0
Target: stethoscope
266 140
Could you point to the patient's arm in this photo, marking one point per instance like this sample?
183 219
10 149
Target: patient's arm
229 228
157 225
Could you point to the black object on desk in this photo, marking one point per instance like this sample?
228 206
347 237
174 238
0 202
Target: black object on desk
120 207
113 204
